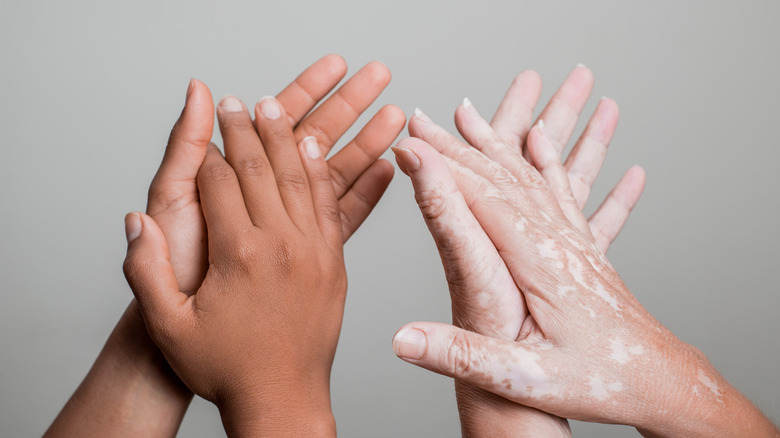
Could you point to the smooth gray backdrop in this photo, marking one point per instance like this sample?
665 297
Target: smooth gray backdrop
90 89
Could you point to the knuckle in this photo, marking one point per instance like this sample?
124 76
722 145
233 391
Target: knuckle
459 356
253 165
161 193
216 172
283 255
330 213
531 178
320 175
433 204
136 268
501 177
291 180
236 122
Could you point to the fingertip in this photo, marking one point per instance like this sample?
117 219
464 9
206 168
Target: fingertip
407 160
231 104
378 71
394 116
608 108
268 108
310 148
334 64
133 226
385 166
528 78
410 343
637 175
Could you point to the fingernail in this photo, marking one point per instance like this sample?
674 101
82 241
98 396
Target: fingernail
407 160
421 115
311 147
410 343
540 125
468 106
270 108
231 104
133 226
190 87
581 65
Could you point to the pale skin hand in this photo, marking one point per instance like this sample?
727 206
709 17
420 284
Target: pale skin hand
587 349
131 385
259 336
484 297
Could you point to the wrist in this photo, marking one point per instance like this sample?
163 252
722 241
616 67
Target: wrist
279 410
485 414
699 402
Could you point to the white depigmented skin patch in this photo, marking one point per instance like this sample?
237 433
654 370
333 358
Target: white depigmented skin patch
601 390
566 290
521 225
576 269
522 370
606 296
548 249
709 383
622 353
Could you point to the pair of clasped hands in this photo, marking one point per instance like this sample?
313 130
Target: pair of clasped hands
239 275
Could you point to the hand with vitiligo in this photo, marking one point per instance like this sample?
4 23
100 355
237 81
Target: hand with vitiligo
564 334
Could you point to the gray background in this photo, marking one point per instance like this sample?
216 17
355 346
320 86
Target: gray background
90 89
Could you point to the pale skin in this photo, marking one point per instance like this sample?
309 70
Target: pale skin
485 299
131 390
581 346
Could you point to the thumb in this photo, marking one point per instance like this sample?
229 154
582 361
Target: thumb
149 272
187 144
514 370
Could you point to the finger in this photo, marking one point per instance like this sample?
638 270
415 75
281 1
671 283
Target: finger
513 370
507 169
362 197
221 199
326 205
608 220
149 273
532 245
185 151
422 127
585 160
485 298
335 116
280 147
548 162
309 87
561 113
373 140
515 114
245 154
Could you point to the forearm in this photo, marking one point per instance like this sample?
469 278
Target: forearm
483 414
130 390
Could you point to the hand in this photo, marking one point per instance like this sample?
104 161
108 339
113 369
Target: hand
470 260
151 390
586 348
259 336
